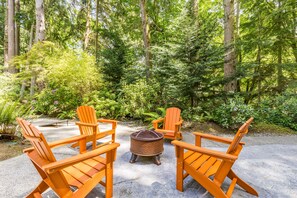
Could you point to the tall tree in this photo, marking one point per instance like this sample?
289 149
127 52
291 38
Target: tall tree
39 36
5 44
97 30
11 34
229 60
146 37
88 24
40 21
17 27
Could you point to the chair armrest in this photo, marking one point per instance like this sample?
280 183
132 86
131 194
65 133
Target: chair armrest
179 122
107 120
66 141
113 122
60 142
155 122
56 166
205 151
86 124
215 138
158 120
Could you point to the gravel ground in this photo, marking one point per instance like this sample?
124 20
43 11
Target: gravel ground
268 163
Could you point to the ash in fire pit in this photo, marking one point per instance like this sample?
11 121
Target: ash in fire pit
146 143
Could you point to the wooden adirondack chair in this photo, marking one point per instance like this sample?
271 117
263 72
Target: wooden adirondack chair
89 125
72 177
201 163
171 124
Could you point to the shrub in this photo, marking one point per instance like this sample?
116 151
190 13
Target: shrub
233 113
8 114
104 103
138 98
280 110
60 102
63 77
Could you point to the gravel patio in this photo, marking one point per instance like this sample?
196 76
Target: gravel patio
268 163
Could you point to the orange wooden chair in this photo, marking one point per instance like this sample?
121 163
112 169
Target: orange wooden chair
72 177
89 126
202 163
171 124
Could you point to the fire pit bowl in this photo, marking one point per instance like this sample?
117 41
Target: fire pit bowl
146 143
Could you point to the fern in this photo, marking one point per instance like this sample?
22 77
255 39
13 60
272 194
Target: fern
8 114
154 115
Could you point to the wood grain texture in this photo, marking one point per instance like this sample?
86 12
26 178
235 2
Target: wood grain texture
83 171
171 124
201 163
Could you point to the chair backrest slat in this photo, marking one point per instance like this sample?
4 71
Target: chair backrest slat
87 114
242 131
172 117
37 140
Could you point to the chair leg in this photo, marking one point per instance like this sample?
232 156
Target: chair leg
109 181
242 183
42 186
179 176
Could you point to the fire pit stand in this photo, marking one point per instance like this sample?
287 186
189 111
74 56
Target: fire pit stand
146 143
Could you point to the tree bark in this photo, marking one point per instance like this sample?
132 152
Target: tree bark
40 21
31 37
6 37
280 77
96 40
146 38
17 28
294 30
238 40
11 34
88 25
229 60
196 8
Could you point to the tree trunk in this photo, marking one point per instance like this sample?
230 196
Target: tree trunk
24 82
294 30
259 72
11 34
229 60
96 40
40 21
280 76
146 38
238 40
88 25
31 37
279 45
196 8
17 28
6 37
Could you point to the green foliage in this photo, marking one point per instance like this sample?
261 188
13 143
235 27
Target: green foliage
63 78
233 113
150 116
113 59
60 102
138 98
189 67
280 110
104 103
8 114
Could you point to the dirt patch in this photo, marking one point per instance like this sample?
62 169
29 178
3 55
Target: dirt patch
11 148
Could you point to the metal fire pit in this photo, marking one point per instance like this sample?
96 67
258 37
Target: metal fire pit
146 143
